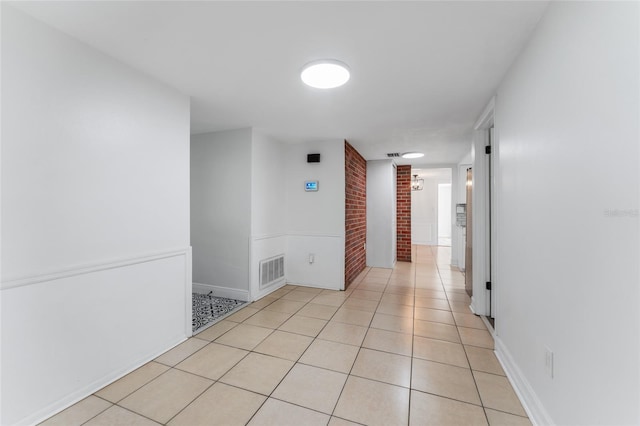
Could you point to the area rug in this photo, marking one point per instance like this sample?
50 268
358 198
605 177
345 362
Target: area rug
208 308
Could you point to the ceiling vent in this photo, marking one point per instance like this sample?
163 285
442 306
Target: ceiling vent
393 154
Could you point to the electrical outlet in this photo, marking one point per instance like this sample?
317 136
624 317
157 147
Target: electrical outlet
548 362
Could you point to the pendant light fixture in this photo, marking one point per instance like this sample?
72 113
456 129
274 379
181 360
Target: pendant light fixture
417 184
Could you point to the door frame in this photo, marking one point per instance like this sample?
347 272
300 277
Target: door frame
482 270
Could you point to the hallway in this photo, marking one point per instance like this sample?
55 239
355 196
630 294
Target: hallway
398 347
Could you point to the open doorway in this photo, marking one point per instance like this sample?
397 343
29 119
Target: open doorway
431 206
444 214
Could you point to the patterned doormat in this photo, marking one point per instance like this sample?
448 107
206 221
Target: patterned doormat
208 308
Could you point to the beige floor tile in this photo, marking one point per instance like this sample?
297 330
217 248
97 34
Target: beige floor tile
426 302
400 290
216 330
373 403
303 325
353 316
469 320
314 290
280 413
319 311
459 297
436 330
375 280
395 309
388 341
337 421
361 304
392 323
299 296
166 396
265 301
182 351
423 293
220 405
268 319
132 381
475 337
311 387
79 413
371 286
285 306
244 336
367 294
212 361
284 345
496 392
434 315
258 373
439 351
330 355
444 380
343 333
482 359
328 299
242 314
432 410
498 418
280 292
399 299
383 367
118 416
460 307
429 284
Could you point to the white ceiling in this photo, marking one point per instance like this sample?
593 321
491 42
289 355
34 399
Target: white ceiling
421 71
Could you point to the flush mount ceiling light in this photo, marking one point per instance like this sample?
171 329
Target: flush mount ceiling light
412 155
325 74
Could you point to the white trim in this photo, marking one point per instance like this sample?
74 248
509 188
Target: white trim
266 236
530 401
188 290
90 268
486 118
230 293
95 386
307 234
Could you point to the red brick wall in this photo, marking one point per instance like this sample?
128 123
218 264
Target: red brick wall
403 209
355 173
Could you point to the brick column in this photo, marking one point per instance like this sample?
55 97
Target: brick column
355 173
403 212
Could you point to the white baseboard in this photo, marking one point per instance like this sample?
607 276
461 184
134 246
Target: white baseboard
538 415
229 293
91 388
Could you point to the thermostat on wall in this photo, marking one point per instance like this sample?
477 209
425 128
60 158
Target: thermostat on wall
311 185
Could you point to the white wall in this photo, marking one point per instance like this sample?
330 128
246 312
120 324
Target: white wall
221 210
381 213
315 220
268 205
444 210
95 219
567 123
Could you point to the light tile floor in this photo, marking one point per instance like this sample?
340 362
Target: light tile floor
398 347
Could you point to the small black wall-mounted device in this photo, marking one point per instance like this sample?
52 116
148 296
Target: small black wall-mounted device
313 158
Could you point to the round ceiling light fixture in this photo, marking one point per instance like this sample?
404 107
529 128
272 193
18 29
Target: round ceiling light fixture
325 74
412 155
